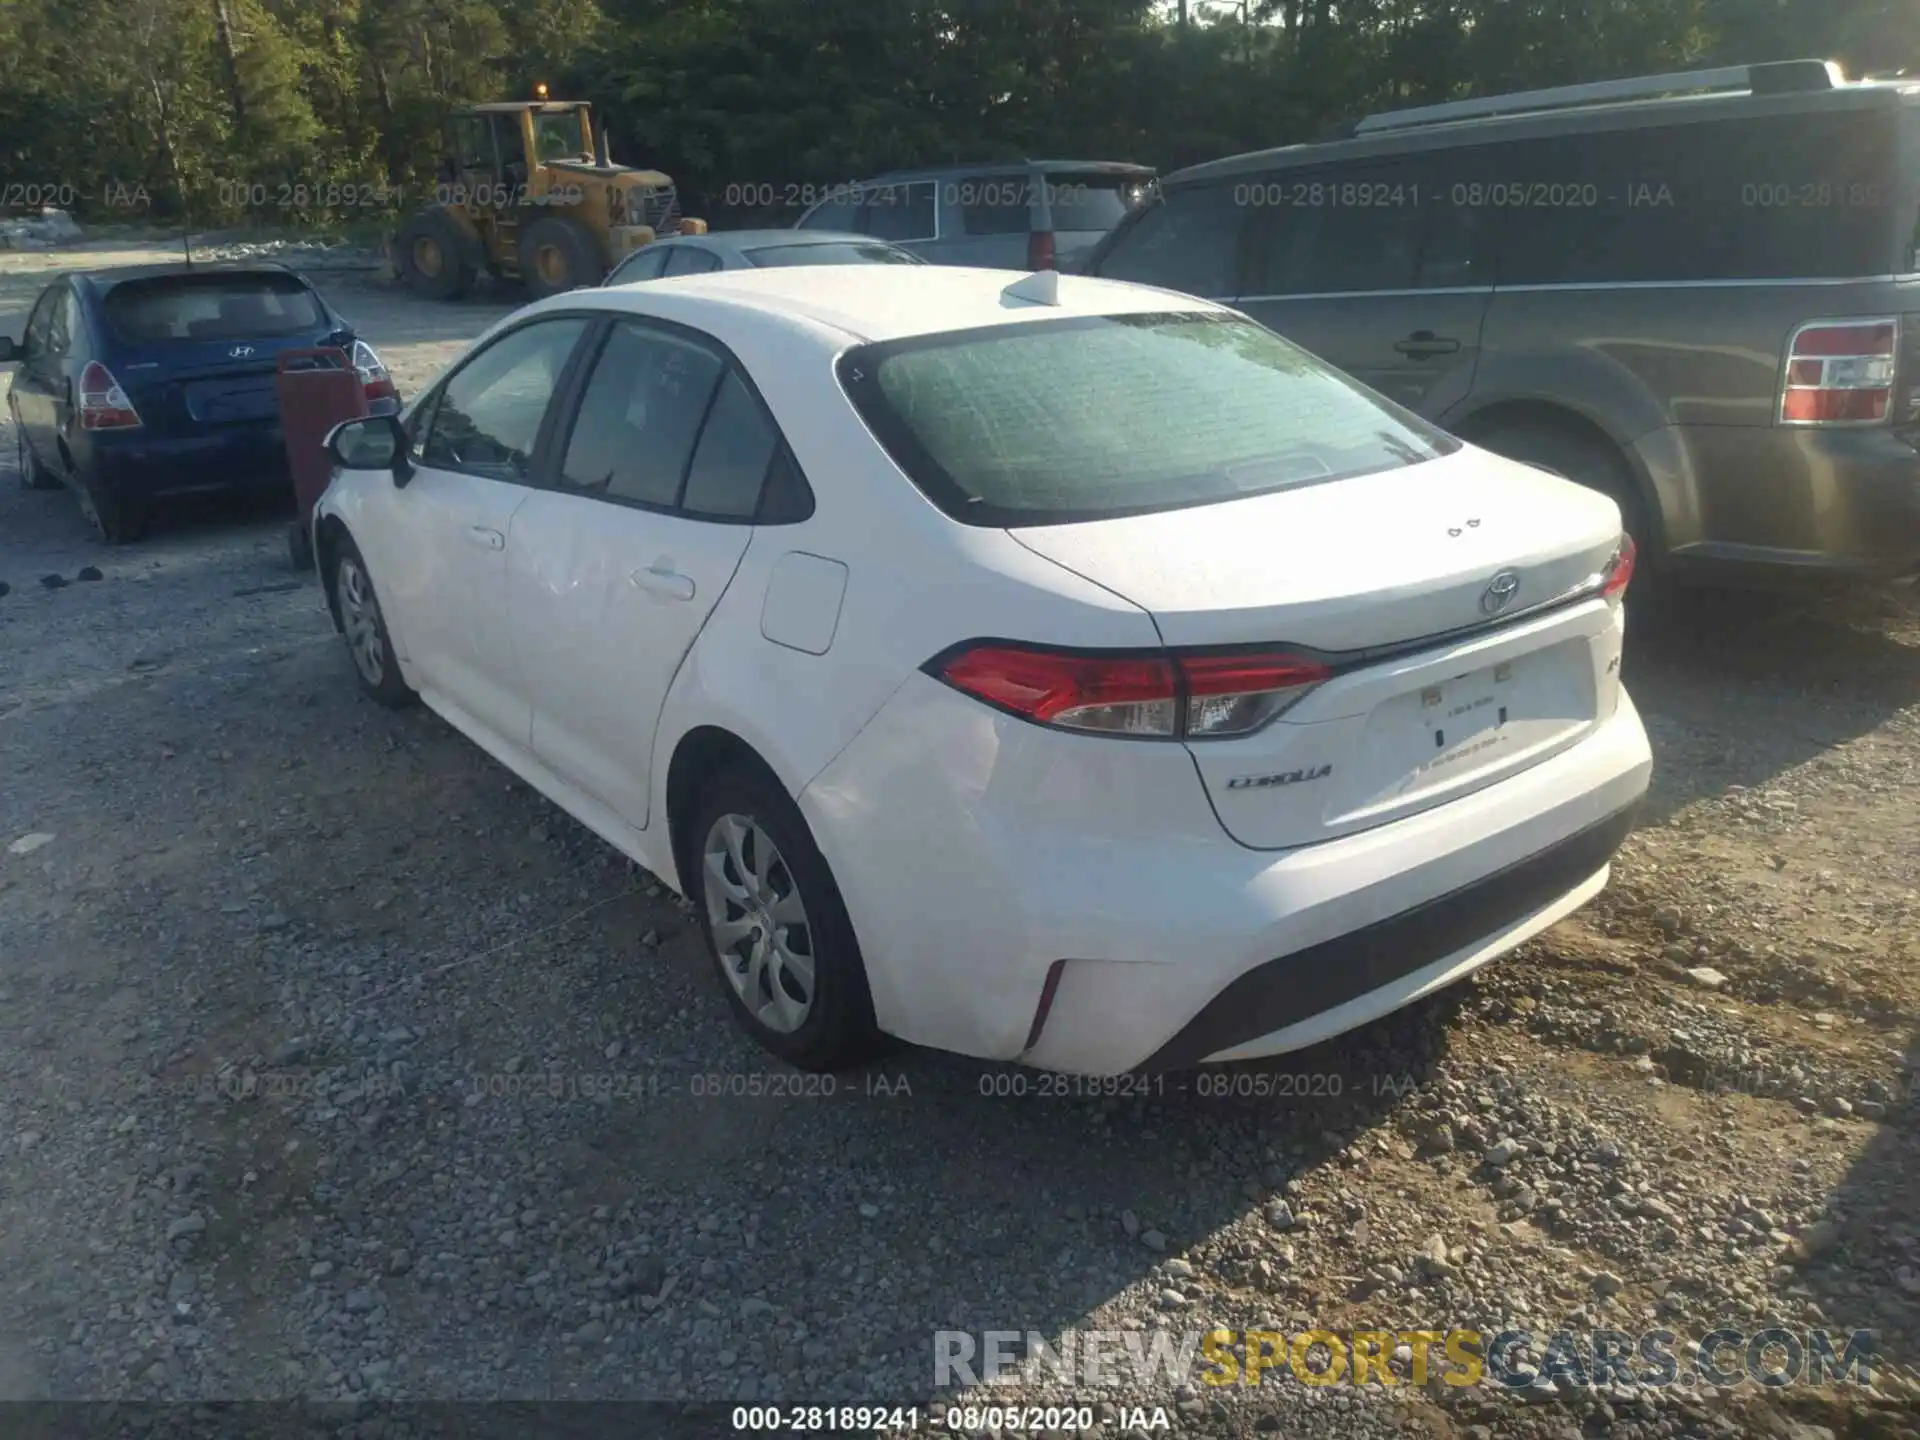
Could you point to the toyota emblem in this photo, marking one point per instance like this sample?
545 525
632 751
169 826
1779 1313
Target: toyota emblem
1499 594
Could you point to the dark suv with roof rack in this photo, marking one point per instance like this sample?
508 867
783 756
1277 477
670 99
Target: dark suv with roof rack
1699 293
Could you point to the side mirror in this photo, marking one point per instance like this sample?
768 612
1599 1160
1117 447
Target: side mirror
10 350
378 442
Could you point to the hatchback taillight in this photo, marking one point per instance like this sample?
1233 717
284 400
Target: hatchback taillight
1840 372
1195 695
103 404
1040 250
375 382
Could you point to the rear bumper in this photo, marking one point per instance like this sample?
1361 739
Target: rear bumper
151 467
987 863
1775 502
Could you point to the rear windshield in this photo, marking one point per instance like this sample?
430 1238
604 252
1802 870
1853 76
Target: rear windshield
842 252
1092 202
1100 416
211 307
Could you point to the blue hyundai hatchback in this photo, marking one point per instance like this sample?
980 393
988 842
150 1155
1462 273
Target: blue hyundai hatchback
140 384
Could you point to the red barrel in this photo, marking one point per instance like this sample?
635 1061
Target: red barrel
317 390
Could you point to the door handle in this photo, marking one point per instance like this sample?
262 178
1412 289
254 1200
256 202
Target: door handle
1424 344
492 539
660 578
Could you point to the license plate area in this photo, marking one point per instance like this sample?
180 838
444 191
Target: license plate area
1452 732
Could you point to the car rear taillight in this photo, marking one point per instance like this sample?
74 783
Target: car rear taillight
1197 695
1840 372
375 382
1619 572
103 404
1040 250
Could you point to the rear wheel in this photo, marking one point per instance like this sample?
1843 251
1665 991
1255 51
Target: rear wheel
33 474
431 255
776 927
557 254
365 628
116 519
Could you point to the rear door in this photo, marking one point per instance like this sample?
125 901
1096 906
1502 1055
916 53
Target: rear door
1374 267
613 570
988 220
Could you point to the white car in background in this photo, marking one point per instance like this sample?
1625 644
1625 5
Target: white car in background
1041 668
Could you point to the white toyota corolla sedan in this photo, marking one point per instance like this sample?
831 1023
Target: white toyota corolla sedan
1036 667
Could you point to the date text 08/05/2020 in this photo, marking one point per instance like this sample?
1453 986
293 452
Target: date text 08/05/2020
953 1419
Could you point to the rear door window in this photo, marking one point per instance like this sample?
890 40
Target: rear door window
898 212
1775 197
211 307
1354 229
993 204
1189 240
643 407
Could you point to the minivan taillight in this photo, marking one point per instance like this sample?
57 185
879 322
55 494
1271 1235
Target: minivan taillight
103 404
1040 250
1196 695
1840 372
1619 572
375 382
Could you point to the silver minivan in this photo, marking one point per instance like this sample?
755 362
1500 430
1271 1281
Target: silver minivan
1014 215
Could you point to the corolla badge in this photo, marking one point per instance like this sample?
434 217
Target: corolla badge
240 352
1499 594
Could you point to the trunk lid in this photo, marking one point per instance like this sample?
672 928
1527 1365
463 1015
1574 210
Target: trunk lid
1390 577
192 387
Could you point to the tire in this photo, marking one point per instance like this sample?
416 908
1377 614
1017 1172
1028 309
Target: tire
299 546
822 1024
33 475
362 622
434 256
116 519
1579 458
559 254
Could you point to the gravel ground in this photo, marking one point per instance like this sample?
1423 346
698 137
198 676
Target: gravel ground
335 1063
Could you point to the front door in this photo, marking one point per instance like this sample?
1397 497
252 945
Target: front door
443 565
1375 268
614 570
40 379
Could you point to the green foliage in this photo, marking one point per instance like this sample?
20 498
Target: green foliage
232 110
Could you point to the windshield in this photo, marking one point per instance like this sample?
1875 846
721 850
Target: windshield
1082 419
211 307
557 137
838 252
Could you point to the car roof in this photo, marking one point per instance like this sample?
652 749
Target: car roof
1532 124
992 167
877 302
754 239
103 280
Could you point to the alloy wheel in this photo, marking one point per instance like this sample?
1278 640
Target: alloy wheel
759 923
360 617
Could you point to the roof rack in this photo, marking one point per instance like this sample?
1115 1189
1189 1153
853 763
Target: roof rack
1774 78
